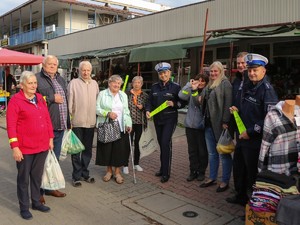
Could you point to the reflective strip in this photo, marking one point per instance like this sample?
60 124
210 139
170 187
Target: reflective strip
239 122
195 94
185 92
13 140
159 109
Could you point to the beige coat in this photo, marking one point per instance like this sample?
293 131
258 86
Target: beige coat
82 102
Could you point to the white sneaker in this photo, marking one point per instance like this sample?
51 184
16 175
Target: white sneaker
125 170
138 168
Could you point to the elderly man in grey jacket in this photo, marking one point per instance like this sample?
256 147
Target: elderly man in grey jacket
54 90
82 94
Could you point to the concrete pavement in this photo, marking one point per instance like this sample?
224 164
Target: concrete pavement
146 202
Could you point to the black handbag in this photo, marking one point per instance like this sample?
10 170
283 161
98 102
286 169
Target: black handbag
108 131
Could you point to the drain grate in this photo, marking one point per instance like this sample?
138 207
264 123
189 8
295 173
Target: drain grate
190 214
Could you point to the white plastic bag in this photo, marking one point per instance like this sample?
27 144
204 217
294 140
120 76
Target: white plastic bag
148 142
225 144
65 145
53 178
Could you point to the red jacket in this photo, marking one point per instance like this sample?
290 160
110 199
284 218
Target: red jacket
28 126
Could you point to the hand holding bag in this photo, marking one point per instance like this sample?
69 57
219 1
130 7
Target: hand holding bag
108 131
225 144
53 178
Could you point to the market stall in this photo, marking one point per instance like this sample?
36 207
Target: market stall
10 57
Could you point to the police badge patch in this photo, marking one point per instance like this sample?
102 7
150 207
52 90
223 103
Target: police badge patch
249 57
257 128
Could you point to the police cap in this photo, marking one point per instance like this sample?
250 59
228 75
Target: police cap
163 66
255 60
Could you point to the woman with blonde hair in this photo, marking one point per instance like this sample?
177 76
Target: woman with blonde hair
216 99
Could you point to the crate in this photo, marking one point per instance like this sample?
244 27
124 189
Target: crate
261 218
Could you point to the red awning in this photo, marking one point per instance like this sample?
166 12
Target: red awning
10 57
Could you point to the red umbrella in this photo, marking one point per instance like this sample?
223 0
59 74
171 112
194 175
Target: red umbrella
10 57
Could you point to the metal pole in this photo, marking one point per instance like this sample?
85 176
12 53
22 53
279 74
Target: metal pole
43 19
70 18
138 70
230 60
204 43
132 161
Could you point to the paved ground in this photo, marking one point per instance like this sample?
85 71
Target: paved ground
146 202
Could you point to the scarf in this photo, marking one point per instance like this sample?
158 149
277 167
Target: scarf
135 95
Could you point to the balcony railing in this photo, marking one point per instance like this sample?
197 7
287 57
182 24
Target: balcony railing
37 35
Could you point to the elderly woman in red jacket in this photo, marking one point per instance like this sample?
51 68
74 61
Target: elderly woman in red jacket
30 136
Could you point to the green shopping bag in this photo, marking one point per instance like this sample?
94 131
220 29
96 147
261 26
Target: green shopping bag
75 144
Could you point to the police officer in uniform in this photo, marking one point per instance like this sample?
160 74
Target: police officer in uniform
166 120
253 100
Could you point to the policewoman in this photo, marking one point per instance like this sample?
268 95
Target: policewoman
253 100
165 121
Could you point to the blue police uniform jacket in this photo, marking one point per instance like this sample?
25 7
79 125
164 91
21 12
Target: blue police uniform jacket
158 95
253 102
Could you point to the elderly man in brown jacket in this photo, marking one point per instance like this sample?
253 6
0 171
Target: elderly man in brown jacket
82 93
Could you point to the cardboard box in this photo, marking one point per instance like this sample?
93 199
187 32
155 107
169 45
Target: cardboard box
261 218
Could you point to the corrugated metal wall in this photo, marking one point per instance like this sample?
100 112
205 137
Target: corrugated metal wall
179 23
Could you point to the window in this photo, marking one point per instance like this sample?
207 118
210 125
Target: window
287 48
224 52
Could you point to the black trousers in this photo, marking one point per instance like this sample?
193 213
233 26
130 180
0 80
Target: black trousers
245 161
164 134
136 133
197 150
30 171
81 161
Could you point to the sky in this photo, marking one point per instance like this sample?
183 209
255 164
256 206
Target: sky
7 5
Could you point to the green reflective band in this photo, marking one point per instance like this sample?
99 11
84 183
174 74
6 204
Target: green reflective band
195 94
159 109
125 83
185 92
239 122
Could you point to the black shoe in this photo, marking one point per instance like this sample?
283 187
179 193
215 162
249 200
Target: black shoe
26 215
200 177
158 174
41 208
164 179
193 175
221 189
207 184
76 183
236 200
88 180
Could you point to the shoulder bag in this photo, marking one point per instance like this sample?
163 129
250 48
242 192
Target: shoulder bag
108 131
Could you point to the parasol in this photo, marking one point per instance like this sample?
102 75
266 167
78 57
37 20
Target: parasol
11 57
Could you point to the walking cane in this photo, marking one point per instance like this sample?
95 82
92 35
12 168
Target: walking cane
132 162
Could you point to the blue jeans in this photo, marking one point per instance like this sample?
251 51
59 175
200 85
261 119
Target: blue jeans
214 156
57 141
